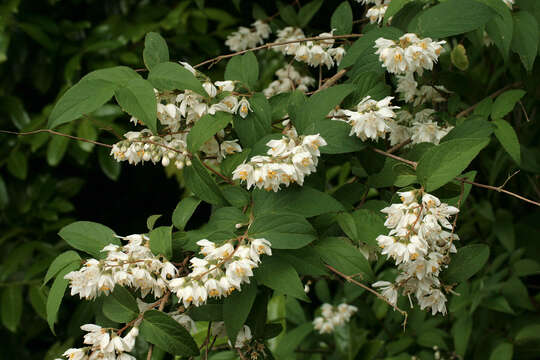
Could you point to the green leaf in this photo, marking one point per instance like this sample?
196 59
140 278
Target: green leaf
394 7
12 306
86 130
205 128
60 262
279 275
161 330
183 211
236 195
172 76
461 331
292 340
452 17
244 68
138 99
257 123
58 146
110 167
151 221
526 267
38 300
508 138
287 13
500 28
342 19
440 164
305 260
286 231
304 201
84 97
525 39
468 261
498 303
118 76
89 237
4 196
342 255
506 103
161 241
17 164
58 288
155 50
503 351
202 184
528 333
236 308
470 128
318 106
336 134
306 12
362 225
120 306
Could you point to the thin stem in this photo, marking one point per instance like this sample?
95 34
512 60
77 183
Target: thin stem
331 81
55 133
269 45
395 157
218 173
399 146
365 287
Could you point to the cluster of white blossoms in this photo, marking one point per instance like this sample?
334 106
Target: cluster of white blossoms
313 53
333 316
371 120
409 54
288 80
178 114
418 128
247 38
289 160
420 242
375 14
132 265
104 344
410 93
222 270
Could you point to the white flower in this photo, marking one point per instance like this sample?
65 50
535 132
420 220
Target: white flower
388 290
376 13
407 86
333 317
188 67
509 3
244 108
229 147
227 85
243 337
75 354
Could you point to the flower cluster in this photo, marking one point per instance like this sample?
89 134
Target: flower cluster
409 54
131 265
178 114
371 120
222 270
420 242
246 38
289 160
375 14
333 316
314 53
288 80
104 344
410 93
420 128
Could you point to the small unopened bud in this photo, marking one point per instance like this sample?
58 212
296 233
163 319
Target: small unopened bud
238 226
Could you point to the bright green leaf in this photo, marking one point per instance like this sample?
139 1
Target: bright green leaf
161 241
155 50
120 306
60 262
138 99
285 231
183 211
205 128
279 275
468 261
172 76
89 237
342 19
508 138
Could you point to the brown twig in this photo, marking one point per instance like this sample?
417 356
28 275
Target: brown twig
55 133
365 287
399 146
217 173
494 95
414 164
331 81
269 45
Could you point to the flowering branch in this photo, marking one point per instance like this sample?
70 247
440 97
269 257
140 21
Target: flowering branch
55 133
269 45
350 279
